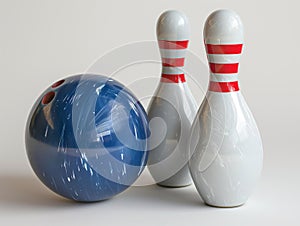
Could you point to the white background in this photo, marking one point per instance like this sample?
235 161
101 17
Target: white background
42 41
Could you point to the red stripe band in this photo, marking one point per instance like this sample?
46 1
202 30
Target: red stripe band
165 44
173 62
223 87
224 68
224 49
176 78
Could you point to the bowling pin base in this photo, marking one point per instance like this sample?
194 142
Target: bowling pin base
166 185
181 179
224 206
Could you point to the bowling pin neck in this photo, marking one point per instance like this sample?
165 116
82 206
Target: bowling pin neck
172 57
223 62
173 32
223 38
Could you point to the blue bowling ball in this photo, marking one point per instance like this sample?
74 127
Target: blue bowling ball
86 138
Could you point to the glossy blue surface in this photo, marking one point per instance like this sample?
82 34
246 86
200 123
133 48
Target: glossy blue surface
86 138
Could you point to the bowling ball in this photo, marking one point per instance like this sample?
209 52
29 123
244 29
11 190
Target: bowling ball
86 138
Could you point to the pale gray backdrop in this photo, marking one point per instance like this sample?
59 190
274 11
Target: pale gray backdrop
42 41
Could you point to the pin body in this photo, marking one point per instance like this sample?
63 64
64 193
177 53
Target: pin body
226 147
173 103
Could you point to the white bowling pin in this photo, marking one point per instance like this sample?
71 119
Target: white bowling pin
173 103
226 147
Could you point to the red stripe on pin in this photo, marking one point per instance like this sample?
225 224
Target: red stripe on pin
173 62
224 68
223 87
165 44
224 49
176 78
